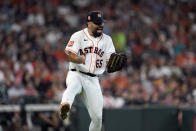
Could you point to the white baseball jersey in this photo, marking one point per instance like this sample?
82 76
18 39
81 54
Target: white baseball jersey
97 51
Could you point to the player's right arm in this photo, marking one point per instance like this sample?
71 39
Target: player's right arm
75 58
72 49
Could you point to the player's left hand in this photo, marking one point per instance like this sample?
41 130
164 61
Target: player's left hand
116 62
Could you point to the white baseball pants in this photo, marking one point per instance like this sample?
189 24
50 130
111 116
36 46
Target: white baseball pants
90 90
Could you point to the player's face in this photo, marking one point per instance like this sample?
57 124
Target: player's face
96 29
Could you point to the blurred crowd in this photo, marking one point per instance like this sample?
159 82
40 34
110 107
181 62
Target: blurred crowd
158 36
160 40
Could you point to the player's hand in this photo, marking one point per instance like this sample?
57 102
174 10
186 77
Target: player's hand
83 59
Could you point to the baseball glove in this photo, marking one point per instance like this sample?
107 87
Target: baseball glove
116 62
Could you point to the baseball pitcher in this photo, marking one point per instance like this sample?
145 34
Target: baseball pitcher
90 52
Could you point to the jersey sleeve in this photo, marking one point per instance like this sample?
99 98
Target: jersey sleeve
110 48
73 44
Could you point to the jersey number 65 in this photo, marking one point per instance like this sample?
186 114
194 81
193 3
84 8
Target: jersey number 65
99 63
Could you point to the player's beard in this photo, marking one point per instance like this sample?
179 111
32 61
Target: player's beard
97 31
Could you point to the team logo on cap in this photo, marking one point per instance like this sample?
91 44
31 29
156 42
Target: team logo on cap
70 43
89 18
99 15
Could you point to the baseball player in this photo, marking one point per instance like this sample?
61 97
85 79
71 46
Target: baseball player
88 52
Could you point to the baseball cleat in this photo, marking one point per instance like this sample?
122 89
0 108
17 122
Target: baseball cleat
64 109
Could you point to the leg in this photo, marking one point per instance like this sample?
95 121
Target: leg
93 100
73 88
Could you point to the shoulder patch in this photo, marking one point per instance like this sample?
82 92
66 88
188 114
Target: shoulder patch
70 43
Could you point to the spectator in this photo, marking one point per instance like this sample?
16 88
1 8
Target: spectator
15 92
46 119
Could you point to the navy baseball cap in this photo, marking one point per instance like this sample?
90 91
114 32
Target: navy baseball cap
96 17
